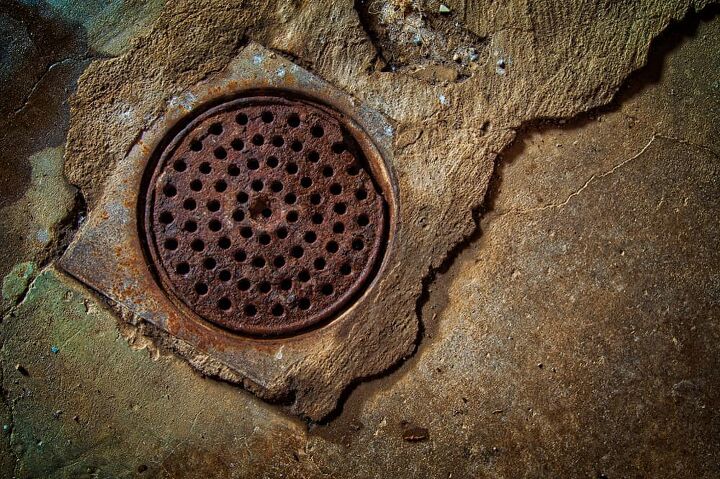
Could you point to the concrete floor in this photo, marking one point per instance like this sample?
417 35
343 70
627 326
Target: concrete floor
574 334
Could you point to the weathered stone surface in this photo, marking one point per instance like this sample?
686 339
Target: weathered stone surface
46 46
446 134
575 335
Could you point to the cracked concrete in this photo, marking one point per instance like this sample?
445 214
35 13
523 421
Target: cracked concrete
574 336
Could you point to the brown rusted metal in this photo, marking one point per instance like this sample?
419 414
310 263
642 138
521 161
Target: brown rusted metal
262 216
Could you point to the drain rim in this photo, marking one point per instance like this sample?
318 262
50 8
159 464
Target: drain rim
366 155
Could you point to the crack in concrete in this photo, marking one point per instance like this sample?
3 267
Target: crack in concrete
597 176
38 82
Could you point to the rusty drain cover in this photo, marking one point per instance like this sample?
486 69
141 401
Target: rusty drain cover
262 215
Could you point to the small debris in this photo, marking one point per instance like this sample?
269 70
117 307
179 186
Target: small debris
417 39
76 418
415 434
21 369
6 428
540 365
443 9
54 349
57 414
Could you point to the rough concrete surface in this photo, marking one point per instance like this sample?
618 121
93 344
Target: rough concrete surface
566 293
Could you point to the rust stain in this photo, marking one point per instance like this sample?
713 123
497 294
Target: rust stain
263 218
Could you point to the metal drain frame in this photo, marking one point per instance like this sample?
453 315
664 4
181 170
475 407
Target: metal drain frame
249 99
107 253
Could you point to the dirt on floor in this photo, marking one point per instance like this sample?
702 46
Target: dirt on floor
557 166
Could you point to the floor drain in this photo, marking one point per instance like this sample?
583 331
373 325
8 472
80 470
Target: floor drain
262 216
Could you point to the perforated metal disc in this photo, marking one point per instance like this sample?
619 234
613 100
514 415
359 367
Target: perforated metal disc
262 216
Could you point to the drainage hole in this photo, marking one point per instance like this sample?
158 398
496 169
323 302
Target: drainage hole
345 269
282 232
169 190
276 186
225 304
213 205
182 268
166 217
335 189
290 198
215 225
319 263
197 245
353 170
224 243
258 139
237 144
292 216
215 129
328 171
338 227
220 153
246 232
253 164
264 287
240 256
304 276
258 262
305 182
310 236
196 185
317 218
304 303
297 252
267 117
257 185
180 165
196 145
363 220
242 197
317 131
189 204
291 168
338 147
286 284
296 146
332 247
358 244
279 261
361 194
267 213
313 157
201 288
243 284
233 170
205 168
272 162
327 289
250 310
238 215
264 239
293 120
340 208
277 141
209 263
171 244
277 310
241 119
315 199
190 226
224 275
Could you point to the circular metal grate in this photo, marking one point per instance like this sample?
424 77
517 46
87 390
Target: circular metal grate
262 216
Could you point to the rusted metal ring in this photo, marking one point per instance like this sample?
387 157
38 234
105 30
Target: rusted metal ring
262 215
